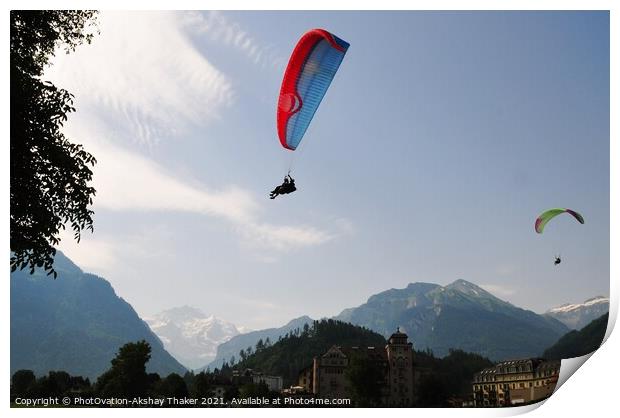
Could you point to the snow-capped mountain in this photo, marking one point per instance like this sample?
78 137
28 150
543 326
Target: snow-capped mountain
190 335
578 315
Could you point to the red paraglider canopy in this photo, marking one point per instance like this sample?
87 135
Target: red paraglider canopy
310 70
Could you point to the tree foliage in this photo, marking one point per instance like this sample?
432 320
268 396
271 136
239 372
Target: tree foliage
579 343
441 379
25 384
50 175
447 377
22 382
366 380
127 377
172 385
295 350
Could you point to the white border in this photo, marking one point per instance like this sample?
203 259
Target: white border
591 391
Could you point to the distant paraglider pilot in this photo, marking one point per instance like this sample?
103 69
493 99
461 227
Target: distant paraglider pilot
549 214
288 186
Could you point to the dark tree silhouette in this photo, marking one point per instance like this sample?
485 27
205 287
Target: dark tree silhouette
56 383
50 176
579 343
173 385
127 377
254 390
292 353
201 385
260 345
22 382
432 392
366 381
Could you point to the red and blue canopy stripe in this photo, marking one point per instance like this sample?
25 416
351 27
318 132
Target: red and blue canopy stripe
310 71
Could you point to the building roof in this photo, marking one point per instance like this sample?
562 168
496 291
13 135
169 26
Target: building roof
517 362
374 353
334 351
503 367
398 334
551 364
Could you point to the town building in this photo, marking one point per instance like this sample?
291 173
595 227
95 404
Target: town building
327 375
305 378
274 383
515 382
400 371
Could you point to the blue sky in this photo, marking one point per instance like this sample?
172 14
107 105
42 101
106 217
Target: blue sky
441 139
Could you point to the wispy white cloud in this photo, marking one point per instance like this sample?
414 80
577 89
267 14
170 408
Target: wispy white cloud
142 78
103 252
92 254
143 74
283 237
219 28
129 182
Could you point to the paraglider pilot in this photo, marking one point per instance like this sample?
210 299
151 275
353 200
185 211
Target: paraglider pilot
557 261
288 186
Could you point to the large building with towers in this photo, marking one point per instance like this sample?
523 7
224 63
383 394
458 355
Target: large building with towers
326 377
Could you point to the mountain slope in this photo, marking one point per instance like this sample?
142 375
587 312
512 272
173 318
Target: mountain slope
579 343
578 315
442 378
460 315
290 355
191 336
243 341
75 323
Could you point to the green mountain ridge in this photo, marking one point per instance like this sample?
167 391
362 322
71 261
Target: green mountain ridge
581 342
75 323
440 378
288 356
460 315
242 341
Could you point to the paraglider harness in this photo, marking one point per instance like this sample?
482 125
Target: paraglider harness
288 186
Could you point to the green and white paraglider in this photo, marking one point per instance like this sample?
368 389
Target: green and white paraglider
549 214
